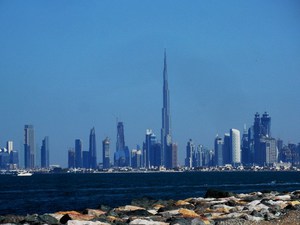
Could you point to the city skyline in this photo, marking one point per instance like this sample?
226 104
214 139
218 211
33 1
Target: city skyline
68 67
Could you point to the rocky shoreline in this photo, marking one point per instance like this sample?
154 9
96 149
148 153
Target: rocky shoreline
216 207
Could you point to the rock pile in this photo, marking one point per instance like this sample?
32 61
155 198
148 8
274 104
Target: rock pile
216 207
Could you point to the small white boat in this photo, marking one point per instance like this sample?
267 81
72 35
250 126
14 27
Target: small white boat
24 174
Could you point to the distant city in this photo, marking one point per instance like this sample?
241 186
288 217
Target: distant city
254 147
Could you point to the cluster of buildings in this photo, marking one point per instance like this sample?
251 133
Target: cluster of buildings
9 157
256 146
153 154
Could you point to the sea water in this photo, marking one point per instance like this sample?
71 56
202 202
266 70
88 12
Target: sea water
46 193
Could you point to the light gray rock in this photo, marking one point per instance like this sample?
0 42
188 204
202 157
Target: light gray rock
170 213
282 197
80 222
253 203
204 199
128 208
221 207
152 211
146 222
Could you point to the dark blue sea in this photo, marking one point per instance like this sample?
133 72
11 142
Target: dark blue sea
46 193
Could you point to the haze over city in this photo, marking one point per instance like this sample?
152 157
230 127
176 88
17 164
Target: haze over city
67 67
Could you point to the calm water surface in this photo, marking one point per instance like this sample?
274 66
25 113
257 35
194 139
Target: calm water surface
44 193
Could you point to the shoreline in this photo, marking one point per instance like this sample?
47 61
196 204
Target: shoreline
216 207
211 170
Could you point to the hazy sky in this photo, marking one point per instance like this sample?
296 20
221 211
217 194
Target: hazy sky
66 66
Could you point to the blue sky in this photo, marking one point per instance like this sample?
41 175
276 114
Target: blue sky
66 66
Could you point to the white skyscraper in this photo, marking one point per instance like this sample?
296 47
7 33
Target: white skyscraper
235 145
9 146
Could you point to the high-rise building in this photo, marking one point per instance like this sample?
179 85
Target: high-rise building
78 153
166 138
190 149
256 138
155 156
9 146
120 137
136 158
86 159
171 156
14 159
199 156
268 151
250 146
219 146
120 158
106 153
208 155
152 150
45 153
13 155
227 156
246 154
4 158
71 158
29 147
279 145
235 146
266 125
262 139
92 150
174 156
150 137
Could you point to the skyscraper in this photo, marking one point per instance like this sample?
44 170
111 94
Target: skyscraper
10 146
71 158
190 149
246 155
268 150
45 153
106 153
136 158
152 150
86 159
219 146
256 138
174 156
92 150
266 125
235 146
122 155
166 138
78 153
227 156
29 147
264 150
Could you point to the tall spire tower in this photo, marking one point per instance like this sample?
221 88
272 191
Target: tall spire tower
166 139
